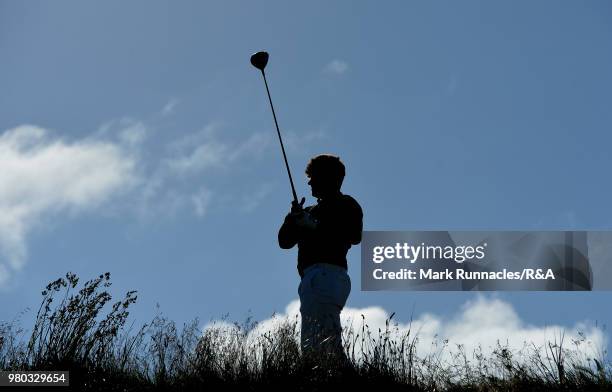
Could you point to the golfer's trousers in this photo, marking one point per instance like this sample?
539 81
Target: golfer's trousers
323 292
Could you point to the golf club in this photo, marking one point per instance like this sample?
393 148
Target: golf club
259 61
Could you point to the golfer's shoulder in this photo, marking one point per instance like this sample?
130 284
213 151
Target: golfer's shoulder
351 205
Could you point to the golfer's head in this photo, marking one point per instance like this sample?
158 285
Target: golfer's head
326 173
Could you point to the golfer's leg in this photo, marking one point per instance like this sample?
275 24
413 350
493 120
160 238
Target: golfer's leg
308 315
308 336
331 330
334 291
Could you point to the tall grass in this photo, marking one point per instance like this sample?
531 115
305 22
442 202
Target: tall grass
74 330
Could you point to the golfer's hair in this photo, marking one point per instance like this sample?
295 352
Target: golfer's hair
327 166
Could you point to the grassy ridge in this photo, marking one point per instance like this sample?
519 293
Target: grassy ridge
72 332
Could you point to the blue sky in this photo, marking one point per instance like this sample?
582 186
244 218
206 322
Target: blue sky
136 138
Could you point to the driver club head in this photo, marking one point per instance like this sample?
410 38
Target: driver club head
260 60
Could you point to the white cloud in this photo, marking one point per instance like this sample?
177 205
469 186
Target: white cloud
295 141
133 133
201 200
254 146
187 141
205 151
337 67
43 174
481 322
207 155
212 152
167 185
252 201
169 107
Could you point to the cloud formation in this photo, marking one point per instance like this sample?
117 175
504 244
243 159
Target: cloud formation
201 200
478 324
43 175
169 107
200 151
46 176
336 67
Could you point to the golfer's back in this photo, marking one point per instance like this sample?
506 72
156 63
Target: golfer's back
339 226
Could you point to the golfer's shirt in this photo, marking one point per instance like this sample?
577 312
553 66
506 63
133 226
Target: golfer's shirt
340 222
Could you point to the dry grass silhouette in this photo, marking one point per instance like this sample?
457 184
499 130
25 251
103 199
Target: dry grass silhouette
72 332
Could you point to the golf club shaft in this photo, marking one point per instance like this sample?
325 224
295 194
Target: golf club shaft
280 138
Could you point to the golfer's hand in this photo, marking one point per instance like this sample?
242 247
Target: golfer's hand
296 208
301 218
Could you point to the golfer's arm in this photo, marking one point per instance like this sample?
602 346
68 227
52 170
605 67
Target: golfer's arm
287 235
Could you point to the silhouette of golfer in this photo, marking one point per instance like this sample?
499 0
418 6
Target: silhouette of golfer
324 232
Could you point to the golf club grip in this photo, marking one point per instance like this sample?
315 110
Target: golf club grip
280 138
